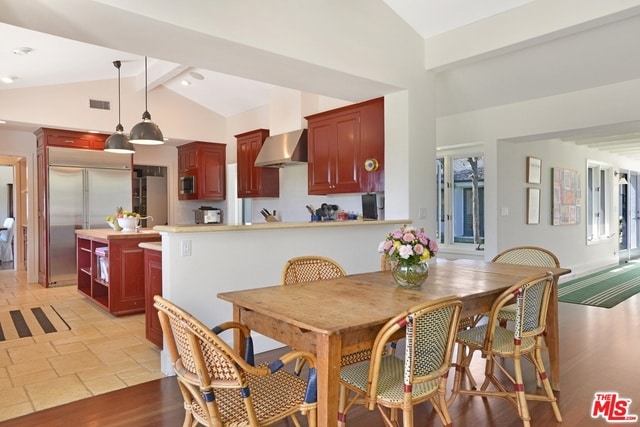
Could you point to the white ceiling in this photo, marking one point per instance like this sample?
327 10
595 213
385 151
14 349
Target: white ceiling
228 95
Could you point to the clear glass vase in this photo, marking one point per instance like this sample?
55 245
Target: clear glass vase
410 276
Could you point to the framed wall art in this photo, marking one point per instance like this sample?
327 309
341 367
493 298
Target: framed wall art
566 196
533 206
534 168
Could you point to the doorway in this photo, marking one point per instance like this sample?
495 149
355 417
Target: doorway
13 204
629 203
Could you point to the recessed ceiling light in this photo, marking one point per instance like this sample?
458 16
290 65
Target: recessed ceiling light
196 75
185 82
8 79
22 51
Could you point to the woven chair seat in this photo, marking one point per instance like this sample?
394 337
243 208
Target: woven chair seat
390 381
502 340
274 397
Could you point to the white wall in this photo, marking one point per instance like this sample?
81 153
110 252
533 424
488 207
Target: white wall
249 258
510 133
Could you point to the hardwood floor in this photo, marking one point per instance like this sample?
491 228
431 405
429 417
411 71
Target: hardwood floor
596 356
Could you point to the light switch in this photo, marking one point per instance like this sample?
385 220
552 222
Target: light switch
504 211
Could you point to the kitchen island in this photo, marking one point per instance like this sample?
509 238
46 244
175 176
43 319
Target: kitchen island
111 268
200 261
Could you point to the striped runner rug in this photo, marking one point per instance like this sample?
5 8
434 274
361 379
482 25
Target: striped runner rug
28 322
605 288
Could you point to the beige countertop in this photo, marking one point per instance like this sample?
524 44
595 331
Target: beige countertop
193 228
155 246
108 233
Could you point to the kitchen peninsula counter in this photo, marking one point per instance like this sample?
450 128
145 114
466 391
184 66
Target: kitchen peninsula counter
193 228
111 268
200 261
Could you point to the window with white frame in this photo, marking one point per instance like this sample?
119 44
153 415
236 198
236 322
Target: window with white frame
460 192
599 202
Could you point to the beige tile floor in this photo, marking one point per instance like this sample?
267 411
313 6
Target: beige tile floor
100 353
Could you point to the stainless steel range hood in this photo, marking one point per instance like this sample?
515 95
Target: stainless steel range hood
284 149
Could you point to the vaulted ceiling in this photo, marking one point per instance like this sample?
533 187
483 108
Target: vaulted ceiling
601 55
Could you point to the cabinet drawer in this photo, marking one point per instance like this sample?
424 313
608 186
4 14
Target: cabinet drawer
69 142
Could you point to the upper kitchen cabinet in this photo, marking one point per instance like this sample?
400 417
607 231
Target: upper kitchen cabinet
202 171
346 149
70 139
255 181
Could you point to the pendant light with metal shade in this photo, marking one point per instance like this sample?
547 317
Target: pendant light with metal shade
146 132
118 142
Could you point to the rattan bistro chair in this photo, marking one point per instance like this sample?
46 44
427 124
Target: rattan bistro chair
497 344
524 255
393 384
220 388
309 269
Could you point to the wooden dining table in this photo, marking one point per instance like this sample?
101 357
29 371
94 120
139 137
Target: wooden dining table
334 317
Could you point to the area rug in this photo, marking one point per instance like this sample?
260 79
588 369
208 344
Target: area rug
605 288
28 322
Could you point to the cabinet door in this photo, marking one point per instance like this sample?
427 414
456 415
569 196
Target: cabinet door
68 141
346 171
321 146
372 146
186 158
43 229
245 173
333 154
255 181
211 172
153 286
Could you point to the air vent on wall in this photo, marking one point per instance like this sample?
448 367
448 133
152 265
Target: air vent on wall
99 105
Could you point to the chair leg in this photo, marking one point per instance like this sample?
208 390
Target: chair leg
462 371
440 404
521 399
407 417
539 365
342 406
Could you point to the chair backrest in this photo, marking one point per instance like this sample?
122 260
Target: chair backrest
431 330
200 358
528 255
309 269
531 302
7 235
385 263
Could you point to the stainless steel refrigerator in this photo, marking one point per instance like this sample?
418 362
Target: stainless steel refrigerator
80 197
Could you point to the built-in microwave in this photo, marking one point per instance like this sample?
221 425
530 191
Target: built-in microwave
188 184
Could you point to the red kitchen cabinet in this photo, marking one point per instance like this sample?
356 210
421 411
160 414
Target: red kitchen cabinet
113 279
341 142
152 287
206 162
255 181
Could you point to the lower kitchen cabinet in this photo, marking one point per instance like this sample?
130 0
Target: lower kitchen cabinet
152 287
111 268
